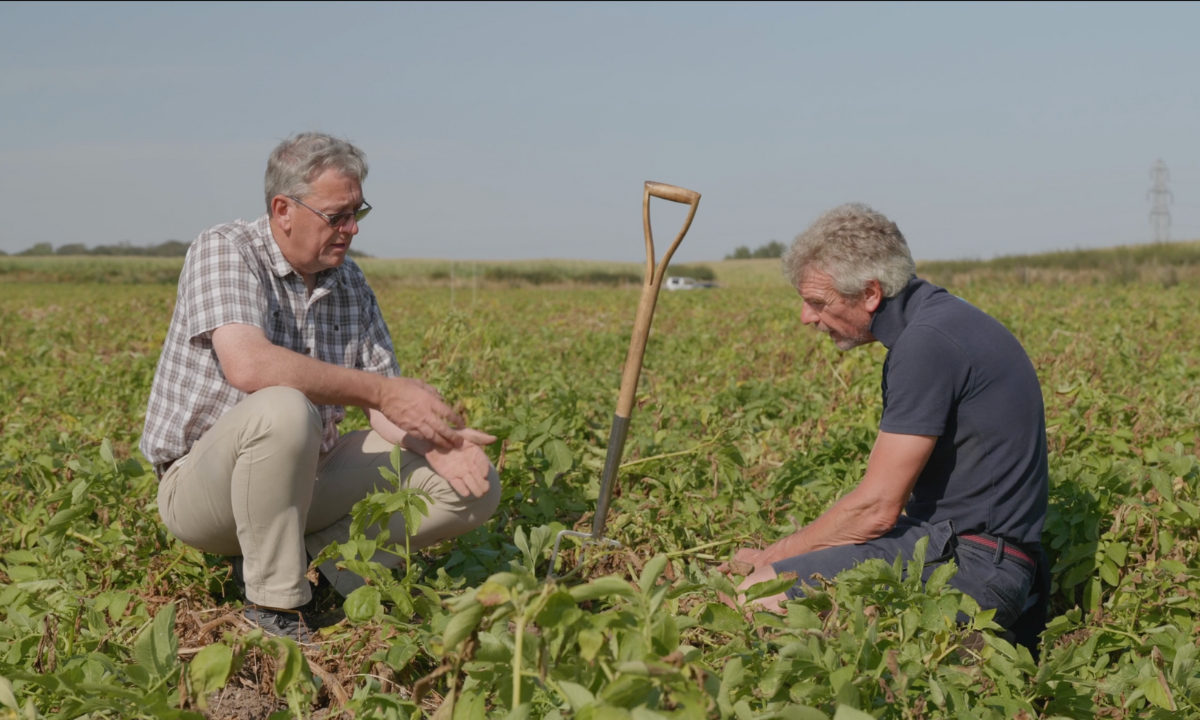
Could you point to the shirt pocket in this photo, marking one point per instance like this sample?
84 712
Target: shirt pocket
281 327
340 330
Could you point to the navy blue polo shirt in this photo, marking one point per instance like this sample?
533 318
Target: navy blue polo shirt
954 371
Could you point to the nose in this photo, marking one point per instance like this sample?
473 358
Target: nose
350 227
808 316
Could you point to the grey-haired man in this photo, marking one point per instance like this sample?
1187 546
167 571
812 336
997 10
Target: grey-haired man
961 452
275 331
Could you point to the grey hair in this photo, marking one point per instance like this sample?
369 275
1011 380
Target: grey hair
853 244
297 161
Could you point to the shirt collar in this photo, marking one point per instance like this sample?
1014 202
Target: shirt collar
895 313
279 264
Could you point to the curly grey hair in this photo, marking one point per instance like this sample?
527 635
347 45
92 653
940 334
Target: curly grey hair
300 159
854 245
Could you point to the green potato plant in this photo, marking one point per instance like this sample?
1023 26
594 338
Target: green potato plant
747 426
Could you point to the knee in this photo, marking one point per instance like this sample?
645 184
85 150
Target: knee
286 400
484 507
491 501
285 412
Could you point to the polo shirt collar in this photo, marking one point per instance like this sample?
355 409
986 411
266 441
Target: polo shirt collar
895 313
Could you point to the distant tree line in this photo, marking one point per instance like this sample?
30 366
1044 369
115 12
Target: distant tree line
772 249
170 248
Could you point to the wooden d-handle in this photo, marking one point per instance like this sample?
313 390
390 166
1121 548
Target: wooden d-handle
672 193
654 275
651 286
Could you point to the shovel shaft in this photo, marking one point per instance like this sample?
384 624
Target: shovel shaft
637 349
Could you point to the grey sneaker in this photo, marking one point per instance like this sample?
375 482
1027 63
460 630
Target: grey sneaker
297 624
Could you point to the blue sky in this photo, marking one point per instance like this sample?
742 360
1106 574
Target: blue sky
526 131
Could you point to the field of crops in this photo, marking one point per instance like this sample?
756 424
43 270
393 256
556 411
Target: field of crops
747 424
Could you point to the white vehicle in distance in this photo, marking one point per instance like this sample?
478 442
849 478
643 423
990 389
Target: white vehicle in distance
687 283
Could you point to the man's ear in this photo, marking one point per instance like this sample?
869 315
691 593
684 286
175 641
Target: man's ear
872 296
281 213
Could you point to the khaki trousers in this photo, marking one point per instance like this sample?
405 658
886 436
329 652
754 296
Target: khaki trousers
256 485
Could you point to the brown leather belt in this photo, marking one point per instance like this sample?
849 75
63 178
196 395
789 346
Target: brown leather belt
1000 546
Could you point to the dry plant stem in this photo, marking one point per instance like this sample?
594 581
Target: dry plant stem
664 456
335 688
82 538
425 684
689 551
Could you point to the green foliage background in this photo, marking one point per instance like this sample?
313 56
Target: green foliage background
747 424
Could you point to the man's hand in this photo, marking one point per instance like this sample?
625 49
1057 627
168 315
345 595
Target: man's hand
745 561
420 410
465 467
752 556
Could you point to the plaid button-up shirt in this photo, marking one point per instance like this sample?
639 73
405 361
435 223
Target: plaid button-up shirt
235 273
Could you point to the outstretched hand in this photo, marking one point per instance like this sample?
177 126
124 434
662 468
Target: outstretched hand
465 467
419 410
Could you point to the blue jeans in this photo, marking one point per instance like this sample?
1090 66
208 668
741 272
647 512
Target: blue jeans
993 579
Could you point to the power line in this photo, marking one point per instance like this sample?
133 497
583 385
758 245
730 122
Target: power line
1160 198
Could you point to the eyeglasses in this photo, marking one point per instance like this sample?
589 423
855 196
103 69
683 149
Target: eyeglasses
340 219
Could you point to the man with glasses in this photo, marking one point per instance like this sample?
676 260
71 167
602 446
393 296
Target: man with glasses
275 331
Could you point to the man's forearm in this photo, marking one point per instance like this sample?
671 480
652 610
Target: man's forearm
250 363
321 382
786 547
848 522
872 507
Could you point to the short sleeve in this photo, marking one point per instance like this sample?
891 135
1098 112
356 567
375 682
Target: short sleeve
218 287
924 377
375 351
